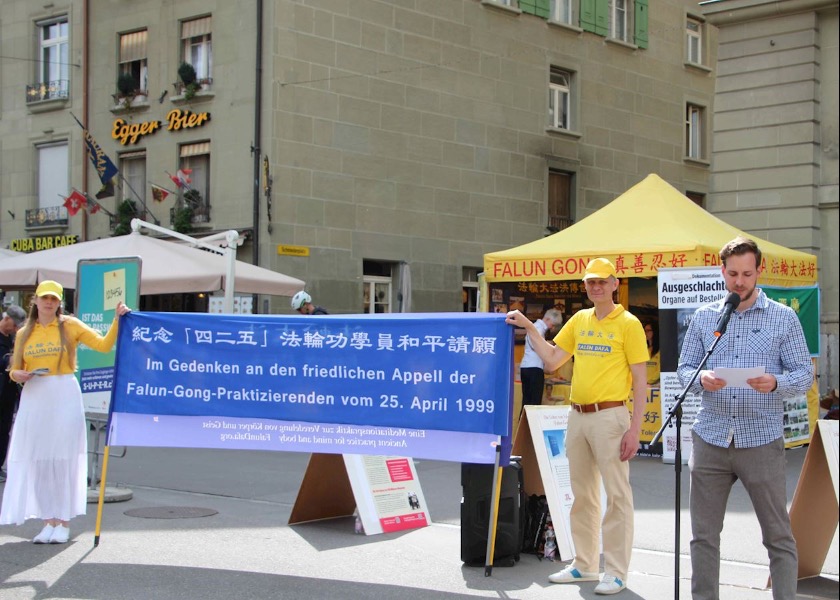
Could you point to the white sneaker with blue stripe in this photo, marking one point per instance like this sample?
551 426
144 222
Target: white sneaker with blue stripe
610 585
571 575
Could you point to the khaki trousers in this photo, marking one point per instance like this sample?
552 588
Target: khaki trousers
593 442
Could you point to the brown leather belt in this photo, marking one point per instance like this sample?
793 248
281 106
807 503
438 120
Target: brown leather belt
598 406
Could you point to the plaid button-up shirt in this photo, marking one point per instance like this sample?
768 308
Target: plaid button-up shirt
767 334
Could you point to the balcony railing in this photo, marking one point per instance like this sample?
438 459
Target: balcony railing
48 90
200 215
50 216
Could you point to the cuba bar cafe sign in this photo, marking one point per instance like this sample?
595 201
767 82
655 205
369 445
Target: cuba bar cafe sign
130 133
45 242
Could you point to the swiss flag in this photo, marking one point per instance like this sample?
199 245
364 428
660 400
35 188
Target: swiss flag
74 202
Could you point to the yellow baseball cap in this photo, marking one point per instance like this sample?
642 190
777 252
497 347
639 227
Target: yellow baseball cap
50 288
599 268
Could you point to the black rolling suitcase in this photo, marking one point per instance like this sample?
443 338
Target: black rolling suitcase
477 486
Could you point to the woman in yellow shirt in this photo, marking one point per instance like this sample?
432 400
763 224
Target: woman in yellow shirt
47 474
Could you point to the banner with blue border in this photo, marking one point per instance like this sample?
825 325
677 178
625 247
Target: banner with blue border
423 385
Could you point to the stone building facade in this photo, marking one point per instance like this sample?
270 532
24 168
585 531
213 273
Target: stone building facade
359 142
775 153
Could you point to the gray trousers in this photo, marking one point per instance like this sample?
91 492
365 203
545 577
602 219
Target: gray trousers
762 472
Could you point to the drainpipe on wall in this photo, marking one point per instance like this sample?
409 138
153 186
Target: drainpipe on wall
256 151
85 111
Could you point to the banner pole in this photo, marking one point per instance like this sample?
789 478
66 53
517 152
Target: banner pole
494 513
101 496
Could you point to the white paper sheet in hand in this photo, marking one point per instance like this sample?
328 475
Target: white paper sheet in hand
737 378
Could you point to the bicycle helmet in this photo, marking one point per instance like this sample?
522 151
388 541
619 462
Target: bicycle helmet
299 299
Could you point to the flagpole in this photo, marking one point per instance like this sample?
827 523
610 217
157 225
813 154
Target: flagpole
94 148
99 204
143 202
167 190
181 185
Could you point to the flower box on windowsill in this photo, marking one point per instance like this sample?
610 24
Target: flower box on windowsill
124 104
203 93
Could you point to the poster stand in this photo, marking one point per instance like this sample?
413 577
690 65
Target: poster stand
541 442
384 492
813 512
325 492
523 446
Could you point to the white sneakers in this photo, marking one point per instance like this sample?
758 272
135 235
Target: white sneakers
44 536
53 535
608 585
60 535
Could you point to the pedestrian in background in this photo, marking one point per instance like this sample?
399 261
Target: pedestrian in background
653 363
532 368
738 433
302 302
608 344
47 470
13 318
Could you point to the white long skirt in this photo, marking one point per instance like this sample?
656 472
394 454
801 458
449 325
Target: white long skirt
47 460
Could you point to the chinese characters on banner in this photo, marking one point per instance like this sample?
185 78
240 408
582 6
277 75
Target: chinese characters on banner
407 384
640 264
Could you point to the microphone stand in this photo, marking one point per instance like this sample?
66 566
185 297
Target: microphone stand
676 414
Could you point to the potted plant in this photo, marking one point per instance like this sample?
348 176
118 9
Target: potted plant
127 88
183 219
126 211
189 80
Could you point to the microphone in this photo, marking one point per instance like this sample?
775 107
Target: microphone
731 303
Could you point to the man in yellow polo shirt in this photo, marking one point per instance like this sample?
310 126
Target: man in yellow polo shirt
611 355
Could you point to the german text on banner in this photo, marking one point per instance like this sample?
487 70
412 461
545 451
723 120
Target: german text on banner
331 383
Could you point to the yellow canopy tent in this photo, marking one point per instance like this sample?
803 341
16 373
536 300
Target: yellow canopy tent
650 226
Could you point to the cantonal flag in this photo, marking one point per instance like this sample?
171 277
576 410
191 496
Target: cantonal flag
158 193
182 178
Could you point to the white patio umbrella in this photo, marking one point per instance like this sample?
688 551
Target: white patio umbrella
167 267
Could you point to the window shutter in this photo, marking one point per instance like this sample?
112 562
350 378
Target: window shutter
539 8
587 15
641 14
602 17
528 6
559 200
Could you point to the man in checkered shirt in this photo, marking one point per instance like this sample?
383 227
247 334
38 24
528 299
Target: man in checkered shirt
738 433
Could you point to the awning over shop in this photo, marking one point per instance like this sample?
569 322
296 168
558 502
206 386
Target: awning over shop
649 227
